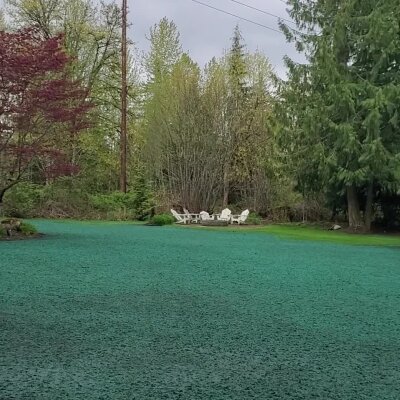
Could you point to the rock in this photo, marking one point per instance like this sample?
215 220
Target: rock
10 225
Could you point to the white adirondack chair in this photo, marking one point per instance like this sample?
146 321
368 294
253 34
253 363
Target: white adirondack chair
225 215
180 218
194 218
205 216
240 219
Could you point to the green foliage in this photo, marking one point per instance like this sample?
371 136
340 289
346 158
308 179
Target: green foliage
253 219
21 200
144 201
16 226
165 50
112 201
136 204
207 133
27 228
162 219
225 134
67 198
2 20
340 111
304 232
237 64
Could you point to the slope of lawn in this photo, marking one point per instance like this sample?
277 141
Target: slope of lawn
118 311
304 232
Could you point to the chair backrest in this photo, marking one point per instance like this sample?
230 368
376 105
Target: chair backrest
225 213
176 215
204 215
244 215
186 211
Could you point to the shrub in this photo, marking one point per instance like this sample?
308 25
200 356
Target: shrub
66 197
253 219
22 200
118 205
63 198
112 202
162 219
27 228
13 225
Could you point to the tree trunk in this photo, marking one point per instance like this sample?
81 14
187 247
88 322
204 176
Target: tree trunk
2 191
226 189
368 207
353 207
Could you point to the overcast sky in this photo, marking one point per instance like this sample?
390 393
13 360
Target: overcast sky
205 32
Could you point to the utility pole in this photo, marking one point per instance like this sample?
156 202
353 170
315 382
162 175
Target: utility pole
124 95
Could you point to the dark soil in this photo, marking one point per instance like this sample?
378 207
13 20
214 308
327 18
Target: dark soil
21 236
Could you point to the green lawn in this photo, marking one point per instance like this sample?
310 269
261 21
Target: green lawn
313 233
123 311
304 232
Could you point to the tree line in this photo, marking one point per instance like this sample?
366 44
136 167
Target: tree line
322 144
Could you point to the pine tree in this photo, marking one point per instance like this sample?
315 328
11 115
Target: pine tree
237 75
343 106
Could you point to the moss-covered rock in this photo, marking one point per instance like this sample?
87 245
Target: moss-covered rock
15 228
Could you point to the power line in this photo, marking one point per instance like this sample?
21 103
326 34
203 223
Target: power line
237 16
263 11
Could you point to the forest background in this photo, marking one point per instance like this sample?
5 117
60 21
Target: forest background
324 144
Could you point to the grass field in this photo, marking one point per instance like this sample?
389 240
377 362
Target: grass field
121 311
305 232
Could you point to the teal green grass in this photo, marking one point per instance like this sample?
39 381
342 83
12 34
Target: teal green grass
123 311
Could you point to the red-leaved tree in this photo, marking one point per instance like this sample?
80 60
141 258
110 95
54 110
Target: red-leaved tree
41 109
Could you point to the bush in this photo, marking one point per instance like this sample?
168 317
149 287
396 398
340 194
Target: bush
27 229
63 198
118 205
66 197
13 226
162 219
253 219
112 201
22 200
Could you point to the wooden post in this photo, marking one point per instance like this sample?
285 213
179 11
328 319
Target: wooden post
124 94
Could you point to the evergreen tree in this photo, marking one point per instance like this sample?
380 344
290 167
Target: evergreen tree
341 110
232 132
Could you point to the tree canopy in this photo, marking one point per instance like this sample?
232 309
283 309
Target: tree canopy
41 108
322 144
346 125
